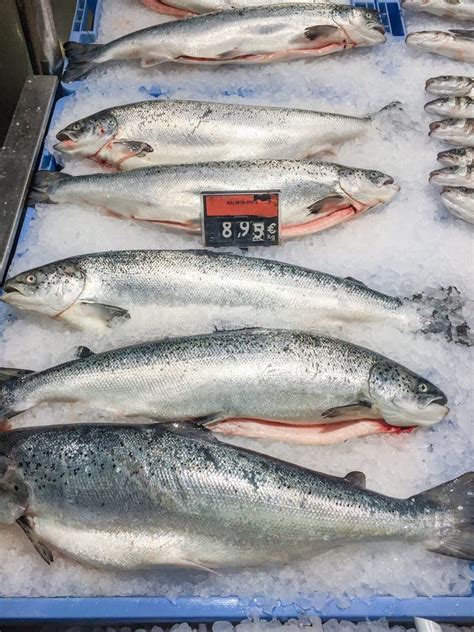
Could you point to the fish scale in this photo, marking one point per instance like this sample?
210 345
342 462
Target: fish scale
137 496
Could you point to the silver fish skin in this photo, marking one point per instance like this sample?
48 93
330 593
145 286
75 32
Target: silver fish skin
92 292
182 132
313 195
458 10
184 8
457 157
241 381
451 107
260 34
451 86
459 132
455 44
454 176
459 202
140 496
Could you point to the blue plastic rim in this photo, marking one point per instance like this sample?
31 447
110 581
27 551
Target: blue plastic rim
159 609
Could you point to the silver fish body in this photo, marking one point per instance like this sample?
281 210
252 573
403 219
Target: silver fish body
313 196
268 377
458 10
138 496
97 290
451 86
459 132
456 44
182 132
459 202
451 107
182 8
454 176
457 157
259 34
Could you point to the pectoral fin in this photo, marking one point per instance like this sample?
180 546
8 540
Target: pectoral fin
357 479
40 547
327 205
83 315
351 411
323 32
129 148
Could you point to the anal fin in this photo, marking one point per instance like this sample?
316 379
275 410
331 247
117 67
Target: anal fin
40 547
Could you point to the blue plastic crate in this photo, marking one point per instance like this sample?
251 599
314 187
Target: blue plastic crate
391 13
86 22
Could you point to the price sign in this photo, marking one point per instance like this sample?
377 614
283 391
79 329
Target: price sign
241 219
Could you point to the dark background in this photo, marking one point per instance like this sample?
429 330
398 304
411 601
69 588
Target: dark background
14 62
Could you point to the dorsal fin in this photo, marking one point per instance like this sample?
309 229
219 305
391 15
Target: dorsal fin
356 281
357 479
83 352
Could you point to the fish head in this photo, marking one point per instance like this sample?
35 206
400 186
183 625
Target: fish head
428 40
447 128
445 84
403 397
367 188
86 137
13 492
454 176
452 156
50 289
459 196
362 26
444 106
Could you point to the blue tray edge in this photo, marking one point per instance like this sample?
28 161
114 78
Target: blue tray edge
197 609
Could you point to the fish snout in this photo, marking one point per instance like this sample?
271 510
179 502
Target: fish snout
434 126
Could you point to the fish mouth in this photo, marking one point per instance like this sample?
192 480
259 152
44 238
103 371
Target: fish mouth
63 135
379 28
435 125
13 293
441 400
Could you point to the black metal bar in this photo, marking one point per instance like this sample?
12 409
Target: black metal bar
18 158
37 22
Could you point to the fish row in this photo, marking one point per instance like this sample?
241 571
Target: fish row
457 177
457 44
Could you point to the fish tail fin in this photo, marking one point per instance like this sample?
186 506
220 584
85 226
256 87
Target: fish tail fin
392 116
80 60
457 499
41 182
441 311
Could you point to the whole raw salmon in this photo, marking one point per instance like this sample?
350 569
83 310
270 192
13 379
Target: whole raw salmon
181 132
254 382
261 34
135 497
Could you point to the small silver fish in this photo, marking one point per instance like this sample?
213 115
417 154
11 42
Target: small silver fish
459 202
140 496
456 9
451 86
186 8
161 132
459 132
457 157
280 384
456 44
454 176
451 107
254 35
96 290
314 196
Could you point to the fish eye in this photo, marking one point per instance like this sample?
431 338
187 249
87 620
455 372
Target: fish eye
76 126
422 387
30 278
374 174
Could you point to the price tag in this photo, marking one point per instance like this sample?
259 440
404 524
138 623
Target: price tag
241 219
